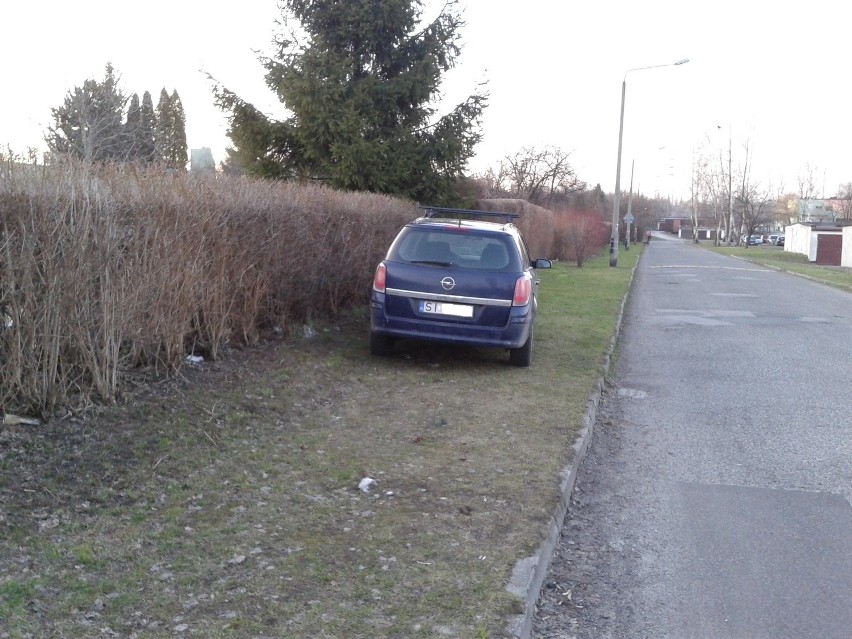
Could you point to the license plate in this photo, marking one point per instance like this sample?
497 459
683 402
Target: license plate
445 308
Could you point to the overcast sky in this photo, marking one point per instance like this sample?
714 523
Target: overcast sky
770 74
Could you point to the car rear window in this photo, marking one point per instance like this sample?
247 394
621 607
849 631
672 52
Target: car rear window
483 251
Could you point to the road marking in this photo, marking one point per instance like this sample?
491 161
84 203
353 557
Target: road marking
706 313
633 393
722 268
734 294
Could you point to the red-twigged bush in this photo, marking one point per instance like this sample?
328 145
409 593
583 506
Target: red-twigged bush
579 235
535 223
102 271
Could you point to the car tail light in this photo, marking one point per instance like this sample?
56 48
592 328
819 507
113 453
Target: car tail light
379 278
523 291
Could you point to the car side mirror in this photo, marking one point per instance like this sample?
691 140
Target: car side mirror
542 263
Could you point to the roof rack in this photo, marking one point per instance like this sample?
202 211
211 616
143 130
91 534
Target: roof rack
437 211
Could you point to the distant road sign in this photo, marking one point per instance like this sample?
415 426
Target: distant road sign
628 219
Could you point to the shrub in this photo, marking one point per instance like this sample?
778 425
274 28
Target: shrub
103 270
579 235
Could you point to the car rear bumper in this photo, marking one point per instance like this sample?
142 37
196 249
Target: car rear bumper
512 335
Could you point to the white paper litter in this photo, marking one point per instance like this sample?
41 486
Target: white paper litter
366 484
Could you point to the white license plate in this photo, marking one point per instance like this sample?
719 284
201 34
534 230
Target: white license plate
445 308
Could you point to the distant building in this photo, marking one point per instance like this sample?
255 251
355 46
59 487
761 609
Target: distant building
201 161
672 224
700 233
815 211
840 208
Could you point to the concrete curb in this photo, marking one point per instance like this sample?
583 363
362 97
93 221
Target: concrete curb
529 573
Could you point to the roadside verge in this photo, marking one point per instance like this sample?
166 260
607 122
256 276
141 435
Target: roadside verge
529 573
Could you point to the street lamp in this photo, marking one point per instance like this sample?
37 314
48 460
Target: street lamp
613 241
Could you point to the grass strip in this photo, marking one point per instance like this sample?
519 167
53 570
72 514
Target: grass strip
794 263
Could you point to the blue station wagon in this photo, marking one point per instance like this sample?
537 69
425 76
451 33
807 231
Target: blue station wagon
459 279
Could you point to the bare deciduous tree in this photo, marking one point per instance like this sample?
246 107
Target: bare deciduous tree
786 209
844 197
755 204
538 175
807 182
698 191
712 182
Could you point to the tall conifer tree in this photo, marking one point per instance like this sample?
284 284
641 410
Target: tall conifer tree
171 130
362 86
132 125
147 129
178 157
164 126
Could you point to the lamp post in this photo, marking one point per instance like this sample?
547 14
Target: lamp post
613 241
628 219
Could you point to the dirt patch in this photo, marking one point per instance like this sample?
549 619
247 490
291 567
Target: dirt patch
577 597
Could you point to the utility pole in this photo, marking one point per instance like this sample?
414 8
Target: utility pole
628 219
730 194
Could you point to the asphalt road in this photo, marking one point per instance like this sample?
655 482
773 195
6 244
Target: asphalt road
716 497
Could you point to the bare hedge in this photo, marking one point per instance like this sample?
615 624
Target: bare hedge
105 271
537 224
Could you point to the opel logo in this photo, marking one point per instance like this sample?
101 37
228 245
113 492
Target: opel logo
448 283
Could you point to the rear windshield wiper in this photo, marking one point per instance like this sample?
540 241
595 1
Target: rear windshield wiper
431 262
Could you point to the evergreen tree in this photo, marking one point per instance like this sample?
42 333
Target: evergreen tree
178 157
231 164
361 86
171 130
89 123
132 126
140 129
147 130
164 124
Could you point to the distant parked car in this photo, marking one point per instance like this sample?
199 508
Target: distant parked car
453 276
755 239
773 239
779 241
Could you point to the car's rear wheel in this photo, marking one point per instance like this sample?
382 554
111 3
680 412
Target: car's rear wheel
380 345
522 356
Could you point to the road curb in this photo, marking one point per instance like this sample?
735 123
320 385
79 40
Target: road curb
529 573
